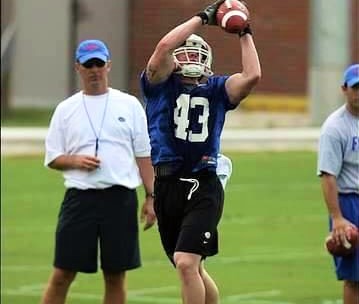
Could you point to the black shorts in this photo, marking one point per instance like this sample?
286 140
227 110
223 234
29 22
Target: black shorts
92 219
188 216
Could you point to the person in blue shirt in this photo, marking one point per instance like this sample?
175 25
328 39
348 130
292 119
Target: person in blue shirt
338 168
186 106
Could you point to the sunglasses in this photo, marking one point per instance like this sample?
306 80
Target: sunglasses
93 62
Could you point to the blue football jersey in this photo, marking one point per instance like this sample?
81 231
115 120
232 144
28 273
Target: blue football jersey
185 122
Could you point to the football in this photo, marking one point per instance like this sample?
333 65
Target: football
232 16
345 249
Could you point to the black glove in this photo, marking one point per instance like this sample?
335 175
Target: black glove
208 15
245 31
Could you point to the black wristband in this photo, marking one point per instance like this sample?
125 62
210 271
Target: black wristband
203 16
245 31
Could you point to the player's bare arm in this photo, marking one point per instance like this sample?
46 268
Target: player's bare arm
239 85
161 64
330 192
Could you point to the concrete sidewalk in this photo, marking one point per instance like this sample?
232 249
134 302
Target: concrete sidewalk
25 141
263 120
243 130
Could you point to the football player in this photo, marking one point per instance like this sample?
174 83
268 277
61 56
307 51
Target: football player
186 106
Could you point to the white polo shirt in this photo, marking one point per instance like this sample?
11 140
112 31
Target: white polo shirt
122 138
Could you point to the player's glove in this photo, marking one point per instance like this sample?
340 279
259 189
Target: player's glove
208 15
245 31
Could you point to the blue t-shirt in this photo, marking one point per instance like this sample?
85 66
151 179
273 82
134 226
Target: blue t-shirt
185 122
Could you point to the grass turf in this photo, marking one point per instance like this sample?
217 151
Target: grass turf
271 237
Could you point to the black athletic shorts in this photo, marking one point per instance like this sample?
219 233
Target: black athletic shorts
188 210
104 219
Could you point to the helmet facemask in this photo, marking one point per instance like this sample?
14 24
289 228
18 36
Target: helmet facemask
194 67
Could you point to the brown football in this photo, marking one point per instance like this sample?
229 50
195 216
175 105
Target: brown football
232 16
343 249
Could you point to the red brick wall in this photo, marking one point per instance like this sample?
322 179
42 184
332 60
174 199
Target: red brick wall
281 35
355 30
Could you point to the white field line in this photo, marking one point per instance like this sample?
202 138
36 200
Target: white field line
248 220
254 301
137 292
294 185
267 257
150 290
249 298
24 268
74 295
270 293
156 300
135 295
27 288
226 219
252 298
35 290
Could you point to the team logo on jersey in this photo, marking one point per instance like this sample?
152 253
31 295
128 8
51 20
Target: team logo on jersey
121 119
355 143
208 160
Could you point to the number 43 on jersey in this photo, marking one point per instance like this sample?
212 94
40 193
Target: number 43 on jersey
185 104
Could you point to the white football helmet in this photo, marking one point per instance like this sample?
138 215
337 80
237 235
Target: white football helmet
194 67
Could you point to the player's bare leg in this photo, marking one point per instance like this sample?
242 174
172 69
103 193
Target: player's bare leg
115 288
351 292
58 286
212 294
193 288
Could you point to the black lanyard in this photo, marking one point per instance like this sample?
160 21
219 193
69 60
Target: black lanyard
91 124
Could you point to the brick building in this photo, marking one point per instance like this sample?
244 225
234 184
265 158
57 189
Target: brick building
281 34
132 29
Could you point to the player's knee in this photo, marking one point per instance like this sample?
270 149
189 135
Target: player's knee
62 277
351 285
186 266
186 269
116 280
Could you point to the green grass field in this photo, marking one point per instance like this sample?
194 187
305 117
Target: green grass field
27 117
271 242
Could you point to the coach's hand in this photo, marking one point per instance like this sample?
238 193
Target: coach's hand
85 162
208 15
77 162
340 226
148 213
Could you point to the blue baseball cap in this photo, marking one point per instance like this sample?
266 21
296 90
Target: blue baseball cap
351 75
89 49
